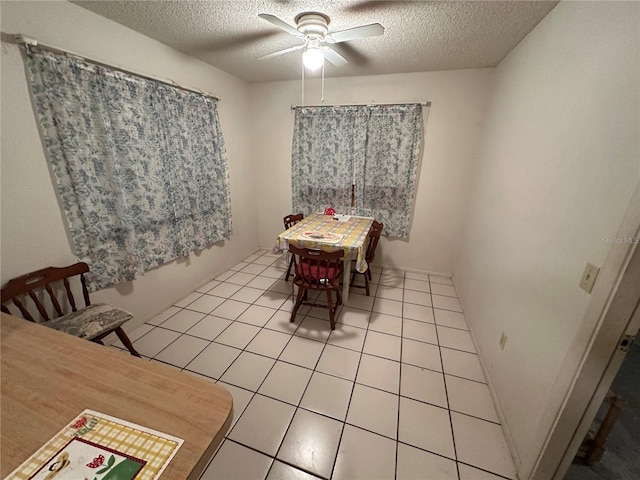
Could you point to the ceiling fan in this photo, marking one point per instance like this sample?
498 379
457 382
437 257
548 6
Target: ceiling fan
312 28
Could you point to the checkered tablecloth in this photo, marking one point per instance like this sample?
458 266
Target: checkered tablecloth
352 235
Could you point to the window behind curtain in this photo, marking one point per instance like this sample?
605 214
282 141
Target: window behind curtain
373 149
392 155
140 166
326 143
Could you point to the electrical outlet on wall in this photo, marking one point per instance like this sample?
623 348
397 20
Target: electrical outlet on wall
589 277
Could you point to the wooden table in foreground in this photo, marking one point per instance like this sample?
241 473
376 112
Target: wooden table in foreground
49 377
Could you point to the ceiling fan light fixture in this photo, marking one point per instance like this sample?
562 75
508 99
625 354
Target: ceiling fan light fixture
313 29
313 58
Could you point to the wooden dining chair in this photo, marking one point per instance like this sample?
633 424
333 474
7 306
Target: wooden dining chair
49 291
290 221
317 270
373 237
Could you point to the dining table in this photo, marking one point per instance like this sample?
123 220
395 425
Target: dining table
330 233
50 377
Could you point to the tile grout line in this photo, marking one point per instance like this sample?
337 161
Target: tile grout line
297 407
446 391
210 314
395 471
353 387
313 370
182 308
226 436
292 334
254 393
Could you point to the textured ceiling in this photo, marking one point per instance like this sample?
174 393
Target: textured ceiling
419 36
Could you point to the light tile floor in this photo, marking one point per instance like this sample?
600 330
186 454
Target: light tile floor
395 392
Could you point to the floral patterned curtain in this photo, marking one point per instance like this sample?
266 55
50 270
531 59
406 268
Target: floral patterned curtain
327 142
392 155
374 148
140 166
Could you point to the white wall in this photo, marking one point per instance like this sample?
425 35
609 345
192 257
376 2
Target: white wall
33 229
556 171
255 118
558 161
455 120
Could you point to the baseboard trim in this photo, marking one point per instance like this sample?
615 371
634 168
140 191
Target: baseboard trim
504 425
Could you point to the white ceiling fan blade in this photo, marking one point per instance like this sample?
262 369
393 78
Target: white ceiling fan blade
364 31
280 24
281 52
333 56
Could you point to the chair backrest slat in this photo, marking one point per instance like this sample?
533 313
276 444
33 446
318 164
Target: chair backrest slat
57 301
290 220
317 269
374 236
85 292
39 305
31 286
72 301
24 311
54 300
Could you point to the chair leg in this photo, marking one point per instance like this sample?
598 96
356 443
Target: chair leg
126 342
332 319
301 292
291 263
366 283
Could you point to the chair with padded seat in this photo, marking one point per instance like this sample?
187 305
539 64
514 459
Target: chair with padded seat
373 237
50 291
290 221
317 270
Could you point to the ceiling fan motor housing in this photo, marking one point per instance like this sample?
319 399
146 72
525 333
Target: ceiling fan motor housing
313 29
313 24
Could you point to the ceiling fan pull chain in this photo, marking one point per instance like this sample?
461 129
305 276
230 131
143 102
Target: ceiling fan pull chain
302 83
322 87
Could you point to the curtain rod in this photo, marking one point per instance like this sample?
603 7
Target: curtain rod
25 41
424 104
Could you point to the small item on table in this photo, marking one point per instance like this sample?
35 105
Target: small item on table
329 211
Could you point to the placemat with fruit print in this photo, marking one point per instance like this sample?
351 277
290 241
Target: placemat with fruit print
95 446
